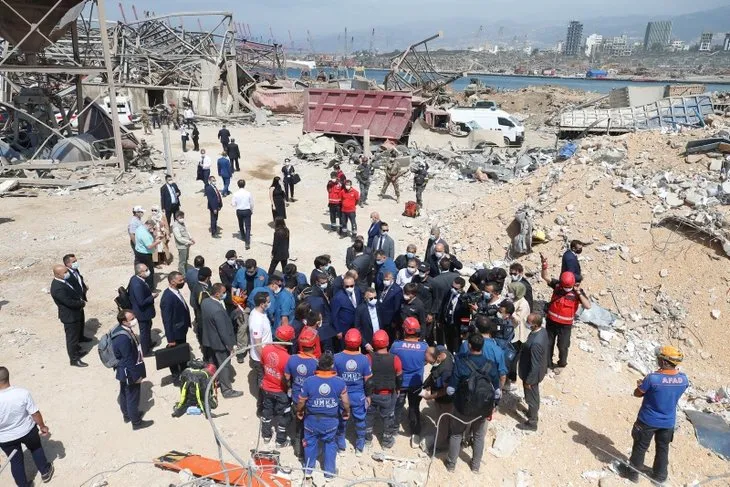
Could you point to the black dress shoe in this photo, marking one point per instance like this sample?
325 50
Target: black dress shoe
142 424
83 353
141 415
85 339
78 363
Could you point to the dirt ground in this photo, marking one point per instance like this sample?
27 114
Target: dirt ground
587 412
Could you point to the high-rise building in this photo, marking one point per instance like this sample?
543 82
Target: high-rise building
574 39
658 34
726 44
705 41
593 44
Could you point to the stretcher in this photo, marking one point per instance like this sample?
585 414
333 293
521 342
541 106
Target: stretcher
265 475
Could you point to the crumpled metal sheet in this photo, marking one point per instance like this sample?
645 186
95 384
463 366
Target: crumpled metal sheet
712 431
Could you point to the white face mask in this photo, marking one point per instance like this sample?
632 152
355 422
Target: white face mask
75 266
231 261
422 274
387 283
267 306
438 254
133 324
515 278
373 302
181 221
511 296
323 286
350 290
410 255
67 275
146 273
410 271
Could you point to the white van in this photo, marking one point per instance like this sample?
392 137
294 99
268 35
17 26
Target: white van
470 118
124 108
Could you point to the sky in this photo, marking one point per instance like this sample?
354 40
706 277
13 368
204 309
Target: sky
324 17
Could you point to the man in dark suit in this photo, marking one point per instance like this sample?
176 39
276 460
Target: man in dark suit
218 337
130 370
434 239
215 203
374 229
175 316
79 284
344 304
234 154
224 136
455 313
319 300
440 287
439 254
367 318
362 262
533 368
389 304
412 306
352 251
70 312
169 198
384 242
143 306
570 260
200 290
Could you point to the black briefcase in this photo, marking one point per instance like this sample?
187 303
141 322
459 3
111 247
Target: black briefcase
167 357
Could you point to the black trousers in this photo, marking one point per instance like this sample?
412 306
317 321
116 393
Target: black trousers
196 146
274 263
532 398
288 189
383 406
234 164
642 435
71 330
224 378
512 374
129 395
244 225
145 335
334 214
32 442
146 259
364 188
276 405
258 371
350 217
560 335
213 221
414 410
171 211
298 436
452 336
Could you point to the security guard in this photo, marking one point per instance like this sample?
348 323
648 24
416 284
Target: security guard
322 398
384 388
412 353
276 403
420 179
354 368
298 369
660 391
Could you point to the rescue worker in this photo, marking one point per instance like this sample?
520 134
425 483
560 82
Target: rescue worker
420 179
660 391
384 388
145 119
354 368
392 175
276 403
364 174
334 200
175 116
567 297
322 397
298 369
412 353
155 116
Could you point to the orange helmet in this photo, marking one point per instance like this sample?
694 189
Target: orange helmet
411 326
239 300
308 337
381 339
353 338
671 354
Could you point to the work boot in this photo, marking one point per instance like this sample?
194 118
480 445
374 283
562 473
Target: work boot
527 426
626 472
46 477
142 424
283 444
231 394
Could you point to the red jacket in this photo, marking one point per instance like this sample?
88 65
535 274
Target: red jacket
334 193
349 200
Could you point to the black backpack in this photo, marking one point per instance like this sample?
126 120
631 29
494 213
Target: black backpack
475 394
122 299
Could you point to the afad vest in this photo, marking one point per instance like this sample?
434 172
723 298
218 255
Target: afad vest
562 307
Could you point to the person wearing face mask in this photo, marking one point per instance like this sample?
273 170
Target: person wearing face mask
440 289
563 305
351 252
259 329
434 391
455 312
367 318
200 290
433 239
227 272
319 299
79 284
70 311
516 293
533 365
145 245
383 264
363 262
219 337
338 283
350 197
364 174
344 304
183 241
406 274
249 277
389 304
169 197
322 265
334 200
273 289
412 306
570 259
385 242
374 230
439 254
392 174
142 299
215 203
401 262
175 314
130 371
517 274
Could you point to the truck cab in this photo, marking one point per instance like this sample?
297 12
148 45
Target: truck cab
472 118
124 109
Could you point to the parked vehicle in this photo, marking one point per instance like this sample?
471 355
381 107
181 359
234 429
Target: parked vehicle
469 118
124 108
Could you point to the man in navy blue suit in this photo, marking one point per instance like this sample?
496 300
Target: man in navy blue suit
143 306
570 260
215 203
344 304
367 318
175 316
374 230
389 304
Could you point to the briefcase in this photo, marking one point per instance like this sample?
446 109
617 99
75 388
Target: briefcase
295 179
167 357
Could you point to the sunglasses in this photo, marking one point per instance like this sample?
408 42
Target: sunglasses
349 287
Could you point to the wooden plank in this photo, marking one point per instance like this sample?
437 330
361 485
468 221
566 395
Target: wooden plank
51 183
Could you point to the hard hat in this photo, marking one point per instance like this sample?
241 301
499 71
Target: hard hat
411 326
308 337
285 333
567 279
380 339
239 300
671 354
353 338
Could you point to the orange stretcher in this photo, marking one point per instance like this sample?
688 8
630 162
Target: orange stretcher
211 468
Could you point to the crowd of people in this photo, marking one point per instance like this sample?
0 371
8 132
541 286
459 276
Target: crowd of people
334 348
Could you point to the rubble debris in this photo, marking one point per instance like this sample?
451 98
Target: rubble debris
715 313
505 443
712 431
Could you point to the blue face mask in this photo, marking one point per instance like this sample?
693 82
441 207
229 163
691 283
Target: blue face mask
225 295
410 255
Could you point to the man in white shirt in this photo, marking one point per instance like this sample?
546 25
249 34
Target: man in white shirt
242 201
259 331
204 165
20 421
134 222
189 117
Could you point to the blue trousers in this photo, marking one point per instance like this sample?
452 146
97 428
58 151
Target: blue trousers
226 182
312 441
32 442
129 396
358 414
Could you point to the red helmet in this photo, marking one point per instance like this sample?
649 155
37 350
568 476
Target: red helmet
211 369
353 338
308 337
285 333
411 326
381 339
567 279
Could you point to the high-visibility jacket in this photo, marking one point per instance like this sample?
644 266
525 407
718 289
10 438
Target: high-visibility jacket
563 306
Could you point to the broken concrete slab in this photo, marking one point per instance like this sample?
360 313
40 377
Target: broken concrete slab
505 444
8 185
673 200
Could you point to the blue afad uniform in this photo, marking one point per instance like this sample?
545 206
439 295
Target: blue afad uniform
657 416
323 394
412 355
354 369
298 369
